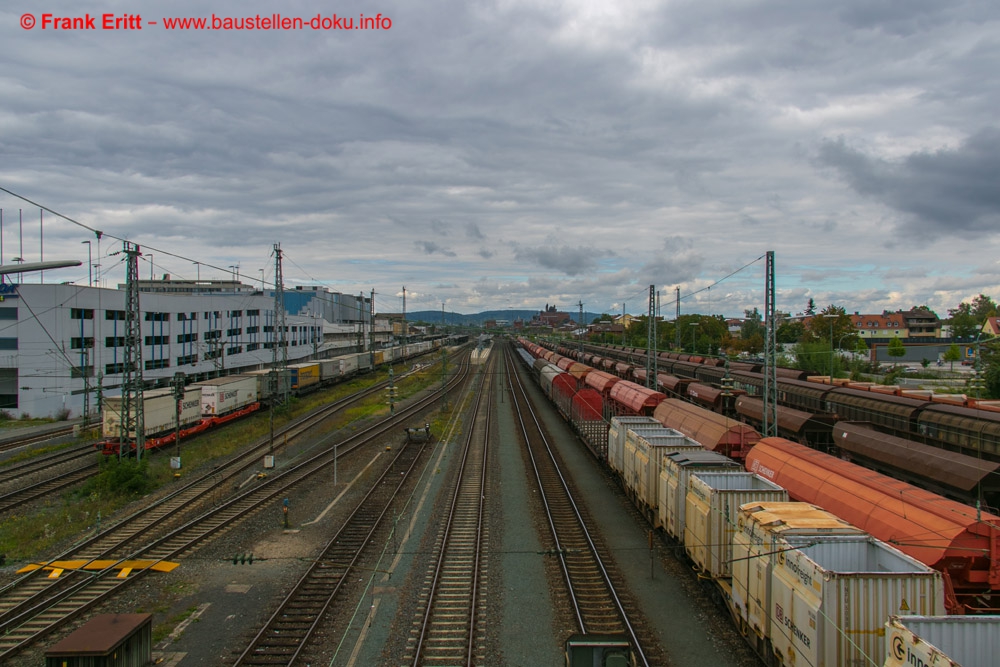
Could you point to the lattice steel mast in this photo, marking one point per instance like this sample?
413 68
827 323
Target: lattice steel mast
770 418
651 340
132 416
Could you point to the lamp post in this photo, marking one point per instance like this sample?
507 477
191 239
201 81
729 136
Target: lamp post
839 341
90 264
693 326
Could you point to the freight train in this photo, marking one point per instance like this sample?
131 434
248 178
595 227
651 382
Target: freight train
792 575
958 423
805 418
971 576
213 402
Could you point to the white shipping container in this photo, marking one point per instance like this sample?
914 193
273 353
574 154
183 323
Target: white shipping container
632 433
763 529
329 369
546 376
675 469
616 438
223 395
645 454
830 599
711 508
942 641
159 410
349 364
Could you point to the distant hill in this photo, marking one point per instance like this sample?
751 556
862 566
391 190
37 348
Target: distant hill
477 319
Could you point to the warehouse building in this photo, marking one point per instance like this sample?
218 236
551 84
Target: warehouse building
60 343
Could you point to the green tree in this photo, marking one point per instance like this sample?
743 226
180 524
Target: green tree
810 307
833 325
953 354
989 365
896 348
817 357
790 332
983 307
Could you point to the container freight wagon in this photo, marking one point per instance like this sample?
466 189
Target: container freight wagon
763 531
159 412
830 599
942 641
617 433
221 396
644 452
712 505
675 472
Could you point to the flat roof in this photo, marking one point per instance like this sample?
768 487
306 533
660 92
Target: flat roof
100 635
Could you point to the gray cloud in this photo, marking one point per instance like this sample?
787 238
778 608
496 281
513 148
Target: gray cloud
943 192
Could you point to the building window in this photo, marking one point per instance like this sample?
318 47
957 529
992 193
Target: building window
114 315
8 314
253 347
157 317
81 343
253 330
81 371
234 350
211 313
235 313
114 369
157 340
233 332
253 313
81 313
268 328
154 364
184 317
114 341
187 338
213 335
189 359
214 354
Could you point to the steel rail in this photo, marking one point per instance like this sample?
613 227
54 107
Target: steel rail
567 497
467 506
75 596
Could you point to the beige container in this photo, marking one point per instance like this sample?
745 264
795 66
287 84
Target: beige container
675 469
711 509
617 433
763 529
830 599
644 452
159 411
942 641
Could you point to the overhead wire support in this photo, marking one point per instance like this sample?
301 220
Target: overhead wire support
132 416
651 340
279 359
770 417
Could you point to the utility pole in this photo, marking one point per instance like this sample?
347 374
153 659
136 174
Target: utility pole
677 317
651 340
132 417
178 388
623 324
583 327
406 329
371 329
770 418
279 360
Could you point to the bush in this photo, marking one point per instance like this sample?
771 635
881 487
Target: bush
6 415
62 415
126 478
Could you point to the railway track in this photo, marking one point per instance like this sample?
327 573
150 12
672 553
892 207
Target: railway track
51 434
590 584
451 627
36 605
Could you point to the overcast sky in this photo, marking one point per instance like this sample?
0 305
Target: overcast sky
512 153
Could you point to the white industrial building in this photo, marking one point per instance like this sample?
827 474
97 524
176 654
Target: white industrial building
59 342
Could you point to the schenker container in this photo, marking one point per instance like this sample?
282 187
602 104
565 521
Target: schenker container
223 395
712 502
830 599
942 641
159 411
675 470
763 530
